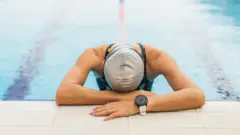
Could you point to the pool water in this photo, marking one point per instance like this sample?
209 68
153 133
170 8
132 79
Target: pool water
40 41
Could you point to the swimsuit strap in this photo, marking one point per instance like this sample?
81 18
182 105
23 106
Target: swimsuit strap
103 77
144 58
108 50
145 79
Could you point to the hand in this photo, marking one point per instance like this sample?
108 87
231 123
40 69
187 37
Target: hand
116 109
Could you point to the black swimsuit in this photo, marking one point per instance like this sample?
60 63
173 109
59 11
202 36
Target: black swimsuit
145 83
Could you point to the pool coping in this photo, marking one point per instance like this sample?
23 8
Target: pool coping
45 117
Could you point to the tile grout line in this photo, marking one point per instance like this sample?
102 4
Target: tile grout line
201 119
129 130
55 117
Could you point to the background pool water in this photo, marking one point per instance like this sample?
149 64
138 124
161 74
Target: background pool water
40 40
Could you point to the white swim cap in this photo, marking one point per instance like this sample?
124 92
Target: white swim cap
124 68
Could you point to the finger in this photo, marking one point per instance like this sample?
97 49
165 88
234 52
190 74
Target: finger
99 110
112 116
107 107
97 107
101 106
105 112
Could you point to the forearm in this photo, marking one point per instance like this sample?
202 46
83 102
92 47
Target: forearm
180 100
73 94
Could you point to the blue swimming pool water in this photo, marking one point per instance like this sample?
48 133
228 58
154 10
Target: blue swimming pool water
40 40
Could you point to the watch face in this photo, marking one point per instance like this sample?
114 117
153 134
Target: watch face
141 100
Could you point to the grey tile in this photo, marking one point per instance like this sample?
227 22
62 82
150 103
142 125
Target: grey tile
28 105
167 119
73 115
75 110
27 113
234 107
92 126
90 130
79 115
216 107
220 114
66 130
235 119
215 120
223 131
13 130
107 130
168 131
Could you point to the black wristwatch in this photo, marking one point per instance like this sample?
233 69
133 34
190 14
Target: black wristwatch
141 101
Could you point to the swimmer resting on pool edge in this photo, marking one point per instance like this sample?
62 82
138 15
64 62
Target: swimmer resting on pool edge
125 74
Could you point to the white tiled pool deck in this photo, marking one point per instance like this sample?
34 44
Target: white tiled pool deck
45 118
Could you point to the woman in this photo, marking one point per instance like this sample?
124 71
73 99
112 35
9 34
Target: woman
125 74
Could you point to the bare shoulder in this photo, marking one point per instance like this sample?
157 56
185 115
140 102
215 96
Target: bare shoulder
100 51
154 53
159 60
92 56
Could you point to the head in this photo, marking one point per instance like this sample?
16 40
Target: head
124 68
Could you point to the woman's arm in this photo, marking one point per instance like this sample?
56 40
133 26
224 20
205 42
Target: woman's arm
187 94
184 99
72 92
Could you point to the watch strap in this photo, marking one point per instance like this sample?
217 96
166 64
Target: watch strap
143 110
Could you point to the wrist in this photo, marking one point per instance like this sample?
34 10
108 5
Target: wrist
151 104
121 96
117 96
128 95
136 108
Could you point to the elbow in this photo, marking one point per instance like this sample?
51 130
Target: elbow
62 95
199 98
59 98
69 94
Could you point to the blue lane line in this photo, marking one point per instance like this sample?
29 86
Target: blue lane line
27 72
217 75
219 78
215 72
29 69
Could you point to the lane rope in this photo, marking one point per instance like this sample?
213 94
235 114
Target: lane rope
122 28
